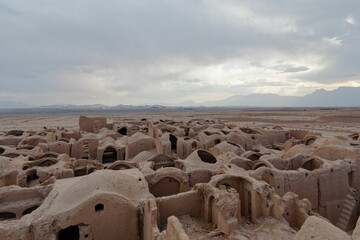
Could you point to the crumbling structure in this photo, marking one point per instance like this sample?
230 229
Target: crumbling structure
178 180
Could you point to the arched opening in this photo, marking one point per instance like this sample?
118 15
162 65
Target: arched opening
16 133
47 163
2 150
206 157
308 141
244 188
11 155
27 147
258 165
354 136
50 155
311 164
31 177
217 141
120 166
123 131
109 155
254 156
69 233
173 141
7 216
165 187
194 146
29 210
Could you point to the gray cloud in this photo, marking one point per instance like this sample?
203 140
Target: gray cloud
167 51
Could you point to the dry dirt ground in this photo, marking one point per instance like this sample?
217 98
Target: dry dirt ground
268 228
328 121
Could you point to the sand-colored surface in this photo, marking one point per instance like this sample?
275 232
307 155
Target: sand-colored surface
330 121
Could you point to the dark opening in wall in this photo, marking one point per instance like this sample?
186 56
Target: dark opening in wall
27 147
351 179
50 155
47 162
207 157
123 131
256 166
254 156
81 171
31 176
29 210
69 233
7 216
16 133
311 164
99 207
2 150
354 136
110 155
187 131
12 155
194 146
308 141
173 141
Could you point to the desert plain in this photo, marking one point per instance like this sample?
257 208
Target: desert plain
326 120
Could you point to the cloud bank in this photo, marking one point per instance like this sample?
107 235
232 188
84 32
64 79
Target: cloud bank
167 51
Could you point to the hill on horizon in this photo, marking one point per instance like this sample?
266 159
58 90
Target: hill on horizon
341 97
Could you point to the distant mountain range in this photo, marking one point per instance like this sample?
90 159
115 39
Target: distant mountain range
341 97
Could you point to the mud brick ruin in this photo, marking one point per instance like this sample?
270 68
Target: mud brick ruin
201 179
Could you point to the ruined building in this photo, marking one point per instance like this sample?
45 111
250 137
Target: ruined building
200 179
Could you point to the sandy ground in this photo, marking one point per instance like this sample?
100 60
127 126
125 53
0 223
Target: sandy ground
327 121
268 228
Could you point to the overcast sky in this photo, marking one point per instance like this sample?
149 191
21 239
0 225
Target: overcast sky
169 51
